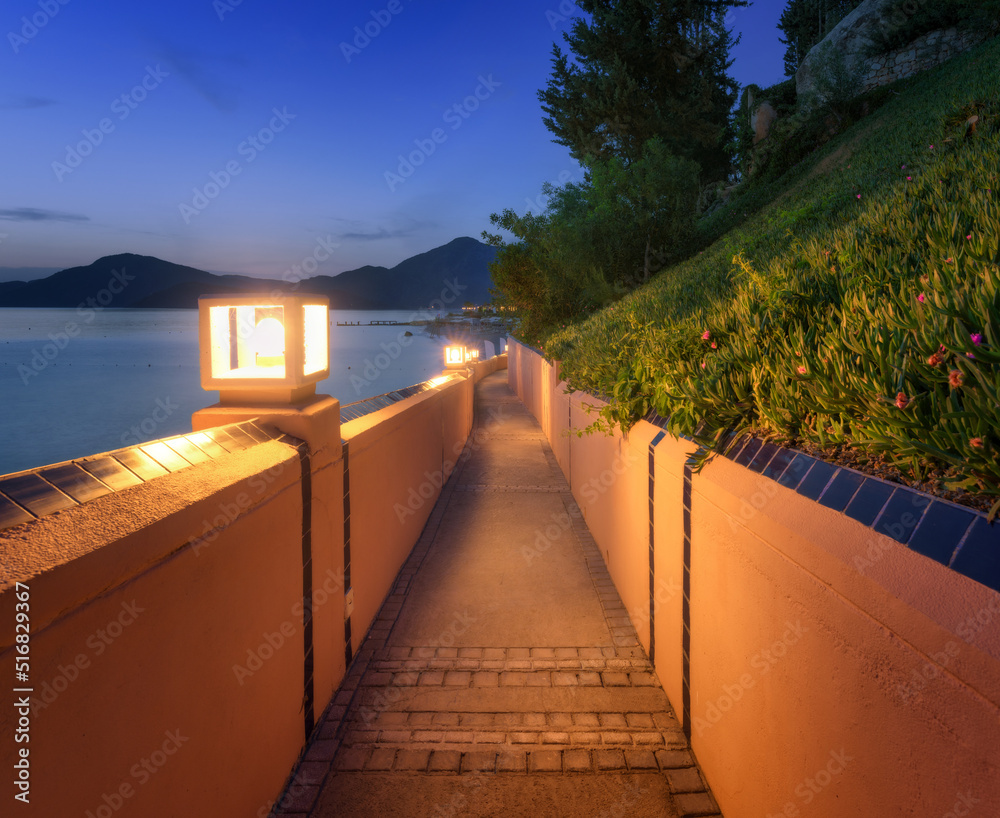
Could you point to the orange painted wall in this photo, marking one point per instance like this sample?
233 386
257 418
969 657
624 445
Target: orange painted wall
197 576
397 458
138 644
817 688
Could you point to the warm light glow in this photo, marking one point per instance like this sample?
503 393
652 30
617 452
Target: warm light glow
277 347
316 322
441 379
268 343
454 355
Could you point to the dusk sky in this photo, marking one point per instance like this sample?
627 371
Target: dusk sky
237 135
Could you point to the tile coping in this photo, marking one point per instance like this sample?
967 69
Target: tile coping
36 493
956 536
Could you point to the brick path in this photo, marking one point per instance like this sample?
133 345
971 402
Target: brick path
502 675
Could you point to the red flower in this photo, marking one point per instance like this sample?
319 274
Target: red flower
934 360
902 401
802 370
976 442
955 378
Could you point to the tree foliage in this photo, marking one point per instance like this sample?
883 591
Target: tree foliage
806 22
643 69
596 240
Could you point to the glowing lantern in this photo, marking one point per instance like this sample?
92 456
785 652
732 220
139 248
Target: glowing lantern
264 349
471 355
454 356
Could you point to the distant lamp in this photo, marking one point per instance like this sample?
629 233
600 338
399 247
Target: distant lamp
471 355
454 356
264 349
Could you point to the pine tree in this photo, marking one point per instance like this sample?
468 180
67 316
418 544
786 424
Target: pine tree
806 22
645 69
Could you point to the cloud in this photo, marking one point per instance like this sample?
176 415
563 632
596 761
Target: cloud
358 231
33 214
193 67
25 103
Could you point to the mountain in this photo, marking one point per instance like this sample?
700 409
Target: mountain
453 274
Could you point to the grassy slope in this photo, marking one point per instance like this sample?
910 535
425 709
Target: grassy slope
822 279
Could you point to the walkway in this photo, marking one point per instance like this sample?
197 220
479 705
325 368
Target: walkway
502 676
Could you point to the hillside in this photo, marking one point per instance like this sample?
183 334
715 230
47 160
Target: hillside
850 305
129 280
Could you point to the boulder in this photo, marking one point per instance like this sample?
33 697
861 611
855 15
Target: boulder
850 37
762 120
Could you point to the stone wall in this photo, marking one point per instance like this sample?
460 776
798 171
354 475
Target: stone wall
922 54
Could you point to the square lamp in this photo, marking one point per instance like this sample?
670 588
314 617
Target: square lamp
471 355
263 348
454 356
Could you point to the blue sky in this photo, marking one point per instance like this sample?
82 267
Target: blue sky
235 135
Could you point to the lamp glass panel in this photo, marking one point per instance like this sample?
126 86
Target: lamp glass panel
316 320
248 342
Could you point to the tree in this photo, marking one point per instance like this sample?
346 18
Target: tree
644 69
596 240
806 22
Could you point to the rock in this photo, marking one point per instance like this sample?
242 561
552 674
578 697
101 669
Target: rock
851 37
762 120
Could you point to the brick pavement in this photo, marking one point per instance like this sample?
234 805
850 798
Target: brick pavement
502 675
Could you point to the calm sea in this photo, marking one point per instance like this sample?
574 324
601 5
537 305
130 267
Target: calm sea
73 385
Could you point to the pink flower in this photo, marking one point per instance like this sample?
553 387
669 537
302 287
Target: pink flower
932 147
702 364
949 260
969 355
713 345
904 167
969 237
902 401
920 298
909 178
706 335
802 370
934 360
859 195
955 378
976 338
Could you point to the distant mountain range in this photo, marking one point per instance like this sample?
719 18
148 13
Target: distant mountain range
453 274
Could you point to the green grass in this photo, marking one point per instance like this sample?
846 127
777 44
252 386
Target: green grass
810 296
